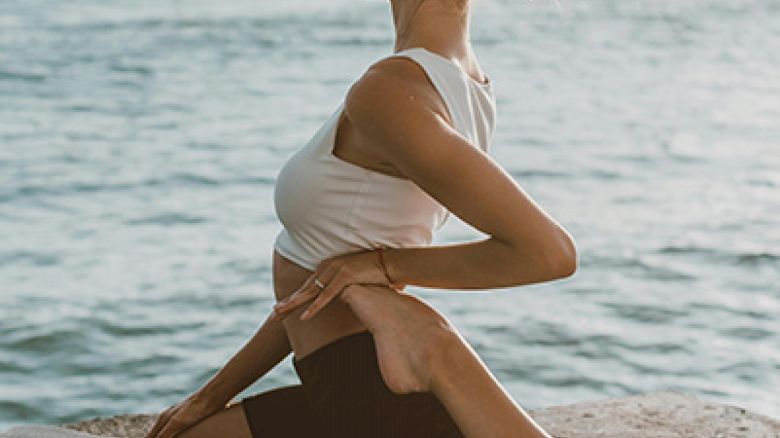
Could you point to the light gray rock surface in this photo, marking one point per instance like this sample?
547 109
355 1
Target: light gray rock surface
663 414
38 431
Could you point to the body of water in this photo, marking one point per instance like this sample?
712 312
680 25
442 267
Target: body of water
140 141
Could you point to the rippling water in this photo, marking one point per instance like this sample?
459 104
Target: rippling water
140 140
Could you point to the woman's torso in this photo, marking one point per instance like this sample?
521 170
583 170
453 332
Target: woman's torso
349 154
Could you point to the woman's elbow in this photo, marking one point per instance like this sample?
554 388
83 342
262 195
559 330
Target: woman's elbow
567 265
561 260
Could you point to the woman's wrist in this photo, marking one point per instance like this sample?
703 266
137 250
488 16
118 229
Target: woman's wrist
391 266
206 401
381 263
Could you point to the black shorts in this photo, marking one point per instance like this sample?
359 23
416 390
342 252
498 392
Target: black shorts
342 395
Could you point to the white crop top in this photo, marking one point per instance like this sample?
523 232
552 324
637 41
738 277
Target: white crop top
329 206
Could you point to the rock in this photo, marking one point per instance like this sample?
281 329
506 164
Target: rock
121 426
665 414
36 431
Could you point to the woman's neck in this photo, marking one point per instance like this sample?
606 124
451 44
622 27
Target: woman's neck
434 24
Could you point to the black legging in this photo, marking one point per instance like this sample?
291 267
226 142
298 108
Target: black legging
343 395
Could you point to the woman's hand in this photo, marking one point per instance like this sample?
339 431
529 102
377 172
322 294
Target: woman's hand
181 416
335 274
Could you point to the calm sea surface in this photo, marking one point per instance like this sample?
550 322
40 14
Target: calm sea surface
140 141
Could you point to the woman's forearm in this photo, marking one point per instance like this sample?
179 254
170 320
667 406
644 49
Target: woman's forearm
483 264
474 398
260 354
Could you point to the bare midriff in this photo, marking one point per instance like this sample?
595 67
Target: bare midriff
333 322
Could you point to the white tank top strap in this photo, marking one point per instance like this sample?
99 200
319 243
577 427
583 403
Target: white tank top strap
441 80
471 104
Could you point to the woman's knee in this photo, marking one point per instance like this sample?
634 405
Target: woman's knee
230 421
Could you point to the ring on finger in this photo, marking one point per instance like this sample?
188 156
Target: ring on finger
319 283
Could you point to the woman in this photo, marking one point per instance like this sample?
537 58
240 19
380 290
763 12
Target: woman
359 204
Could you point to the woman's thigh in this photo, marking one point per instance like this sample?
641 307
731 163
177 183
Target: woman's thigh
280 412
226 422
345 388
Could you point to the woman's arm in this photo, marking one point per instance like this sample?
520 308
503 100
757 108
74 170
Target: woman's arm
484 264
260 354
525 244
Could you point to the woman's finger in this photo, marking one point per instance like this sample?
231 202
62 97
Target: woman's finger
172 427
327 295
308 291
162 419
300 295
155 428
294 301
282 311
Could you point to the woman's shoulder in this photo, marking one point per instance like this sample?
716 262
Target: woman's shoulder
394 81
398 71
